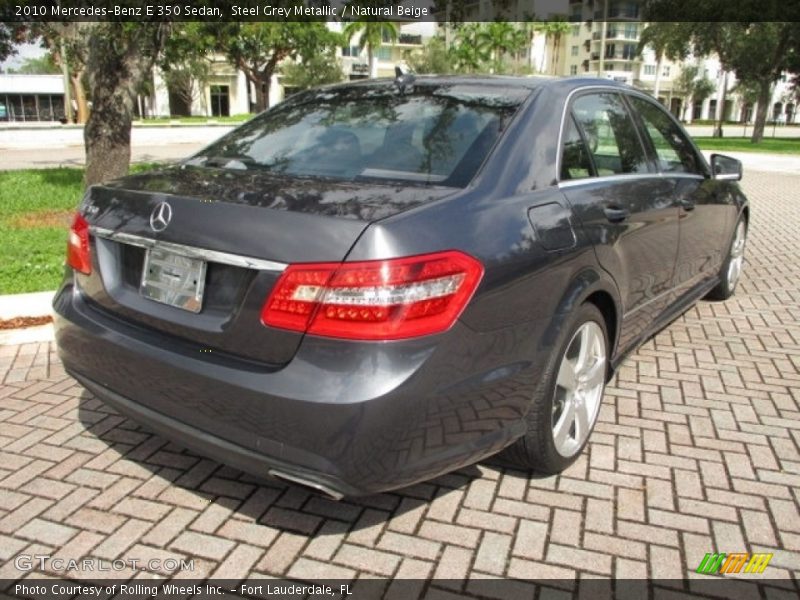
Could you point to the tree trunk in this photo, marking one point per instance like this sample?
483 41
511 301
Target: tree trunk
261 94
115 68
657 82
107 134
80 96
373 64
720 116
764 99
554 64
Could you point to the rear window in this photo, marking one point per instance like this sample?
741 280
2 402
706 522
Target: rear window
438 135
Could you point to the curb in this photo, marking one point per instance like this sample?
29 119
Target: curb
37 304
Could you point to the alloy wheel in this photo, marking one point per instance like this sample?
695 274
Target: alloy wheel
737 255
579 389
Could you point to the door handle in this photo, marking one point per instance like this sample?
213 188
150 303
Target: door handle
615 214
687 205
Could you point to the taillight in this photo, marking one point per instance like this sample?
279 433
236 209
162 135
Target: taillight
78 255
374 300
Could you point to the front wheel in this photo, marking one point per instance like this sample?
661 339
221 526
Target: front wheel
731 269
565 409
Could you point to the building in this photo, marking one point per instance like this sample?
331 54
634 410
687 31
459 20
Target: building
355 61
26 98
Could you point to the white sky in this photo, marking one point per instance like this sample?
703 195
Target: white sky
24 51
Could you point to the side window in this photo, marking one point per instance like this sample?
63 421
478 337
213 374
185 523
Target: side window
610 134
575 161
675 153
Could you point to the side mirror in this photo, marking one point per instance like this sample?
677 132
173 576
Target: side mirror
725 168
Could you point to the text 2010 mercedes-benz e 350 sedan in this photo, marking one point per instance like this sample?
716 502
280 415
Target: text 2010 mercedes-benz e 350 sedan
374 283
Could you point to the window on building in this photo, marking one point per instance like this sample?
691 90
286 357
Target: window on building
576 30
665 71
350 51
573 69
649 69
629 51
610 50
384 53
220 101
574 51
610 134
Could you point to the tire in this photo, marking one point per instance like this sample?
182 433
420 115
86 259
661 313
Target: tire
553 441
731 270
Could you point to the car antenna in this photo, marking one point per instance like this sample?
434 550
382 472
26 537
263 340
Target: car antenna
403 80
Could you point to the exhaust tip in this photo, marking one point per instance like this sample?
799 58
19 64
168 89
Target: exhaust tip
312 485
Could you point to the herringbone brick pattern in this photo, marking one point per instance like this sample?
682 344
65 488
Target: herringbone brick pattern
696 451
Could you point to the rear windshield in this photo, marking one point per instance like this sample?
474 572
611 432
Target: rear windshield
426 135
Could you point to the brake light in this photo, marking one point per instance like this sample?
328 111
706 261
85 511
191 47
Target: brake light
78 255
374 300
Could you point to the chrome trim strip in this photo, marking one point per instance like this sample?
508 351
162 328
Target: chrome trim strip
568 183
236 260
606 179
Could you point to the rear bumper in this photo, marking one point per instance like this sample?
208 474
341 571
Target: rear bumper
348 418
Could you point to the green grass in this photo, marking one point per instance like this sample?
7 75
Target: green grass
790 145
233 119
35 207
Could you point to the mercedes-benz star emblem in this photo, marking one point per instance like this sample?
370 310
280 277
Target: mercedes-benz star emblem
160 217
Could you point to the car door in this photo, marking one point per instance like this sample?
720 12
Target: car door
626 209
705 217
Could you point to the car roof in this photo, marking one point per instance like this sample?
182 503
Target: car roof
563 84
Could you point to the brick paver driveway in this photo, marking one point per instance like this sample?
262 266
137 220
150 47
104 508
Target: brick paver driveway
696 450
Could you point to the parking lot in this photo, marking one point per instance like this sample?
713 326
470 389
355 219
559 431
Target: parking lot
696 451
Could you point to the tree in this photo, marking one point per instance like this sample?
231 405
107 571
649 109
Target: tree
40 65
371 35
11 34
120 57
497 39
257 48
668 40
68 44
184 61
321 69
754 43
467 53
554 30
432 58
760 58
694 87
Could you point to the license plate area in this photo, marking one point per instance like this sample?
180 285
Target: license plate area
173 279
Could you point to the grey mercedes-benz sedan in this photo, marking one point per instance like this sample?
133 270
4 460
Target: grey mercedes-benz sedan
374 283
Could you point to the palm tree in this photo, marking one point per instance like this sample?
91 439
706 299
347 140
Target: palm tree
467 53
668 40
372 35
496 39
554 30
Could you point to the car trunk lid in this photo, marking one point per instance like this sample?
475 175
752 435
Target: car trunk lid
244 227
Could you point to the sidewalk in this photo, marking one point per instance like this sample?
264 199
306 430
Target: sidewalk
37 139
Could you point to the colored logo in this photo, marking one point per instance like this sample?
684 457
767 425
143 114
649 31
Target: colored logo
735 562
